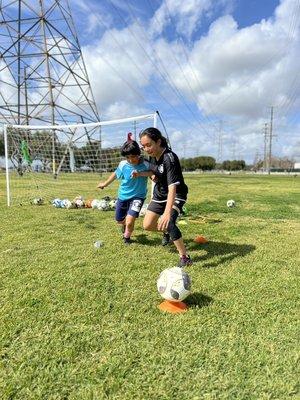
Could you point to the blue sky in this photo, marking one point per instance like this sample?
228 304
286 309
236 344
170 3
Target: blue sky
213 68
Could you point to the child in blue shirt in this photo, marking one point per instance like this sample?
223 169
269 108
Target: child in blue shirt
132 190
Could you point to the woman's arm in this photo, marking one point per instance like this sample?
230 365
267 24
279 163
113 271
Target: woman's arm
165 218
108 181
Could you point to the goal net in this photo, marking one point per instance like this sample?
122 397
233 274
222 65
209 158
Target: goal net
64 161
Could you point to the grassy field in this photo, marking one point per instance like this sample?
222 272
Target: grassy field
82 323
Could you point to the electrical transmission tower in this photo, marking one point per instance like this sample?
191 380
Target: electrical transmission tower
43 77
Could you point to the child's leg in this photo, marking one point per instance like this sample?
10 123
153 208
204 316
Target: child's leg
129 226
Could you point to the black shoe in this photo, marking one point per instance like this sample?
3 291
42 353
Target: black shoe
166 239
127 241
184 261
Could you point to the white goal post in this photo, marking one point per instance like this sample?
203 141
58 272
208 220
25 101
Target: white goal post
36 155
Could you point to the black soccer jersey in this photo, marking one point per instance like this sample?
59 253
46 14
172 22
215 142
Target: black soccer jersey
168 172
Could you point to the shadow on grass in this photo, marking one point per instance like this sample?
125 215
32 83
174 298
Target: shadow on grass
198 300
147 240
225 252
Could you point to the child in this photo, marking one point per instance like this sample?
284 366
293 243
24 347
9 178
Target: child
169 194
132 190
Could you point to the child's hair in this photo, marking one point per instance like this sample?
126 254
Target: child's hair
155 134
130 148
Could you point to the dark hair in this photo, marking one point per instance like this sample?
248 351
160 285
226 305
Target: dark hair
130 148
155 135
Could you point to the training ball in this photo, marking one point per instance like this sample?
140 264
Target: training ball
66 203
79 202
143 210
112 204
103 205
230 203
38 201
98 244
95 204
174 284
57 203
88 203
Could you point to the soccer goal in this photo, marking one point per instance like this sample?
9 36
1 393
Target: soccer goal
64 161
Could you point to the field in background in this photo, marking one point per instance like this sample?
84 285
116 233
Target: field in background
81 323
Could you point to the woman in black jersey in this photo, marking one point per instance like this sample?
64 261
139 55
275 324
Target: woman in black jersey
169 193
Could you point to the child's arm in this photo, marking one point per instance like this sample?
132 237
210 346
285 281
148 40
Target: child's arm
136 174
108 181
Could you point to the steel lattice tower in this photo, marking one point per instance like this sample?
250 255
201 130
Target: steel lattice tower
42 72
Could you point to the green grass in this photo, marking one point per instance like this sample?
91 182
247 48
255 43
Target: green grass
80 323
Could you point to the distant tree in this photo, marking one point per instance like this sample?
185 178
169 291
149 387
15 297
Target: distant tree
233 165
204 163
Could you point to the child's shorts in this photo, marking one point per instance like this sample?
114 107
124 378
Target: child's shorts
128 207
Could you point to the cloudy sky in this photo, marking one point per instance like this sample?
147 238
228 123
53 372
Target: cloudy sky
213 69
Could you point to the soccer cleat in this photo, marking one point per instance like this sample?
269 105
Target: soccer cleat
185 261
127 241
166 239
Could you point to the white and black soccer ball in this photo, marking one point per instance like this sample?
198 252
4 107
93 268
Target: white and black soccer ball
112 204
79 202
174 284
230 203
66 203
103 205
57 203
143 210
38 201
95 204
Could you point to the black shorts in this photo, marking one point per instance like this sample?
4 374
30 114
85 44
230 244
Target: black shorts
159 208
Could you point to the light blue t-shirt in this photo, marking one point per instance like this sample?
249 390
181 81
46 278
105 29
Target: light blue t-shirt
132 187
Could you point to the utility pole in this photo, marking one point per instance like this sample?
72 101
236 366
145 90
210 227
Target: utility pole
270 140
265 132
220 144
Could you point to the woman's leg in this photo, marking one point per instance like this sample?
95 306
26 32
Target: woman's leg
150 221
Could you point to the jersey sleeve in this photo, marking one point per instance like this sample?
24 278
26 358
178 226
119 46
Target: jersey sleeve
172 168
119 170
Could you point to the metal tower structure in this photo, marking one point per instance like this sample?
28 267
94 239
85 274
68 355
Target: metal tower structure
42 72
43 77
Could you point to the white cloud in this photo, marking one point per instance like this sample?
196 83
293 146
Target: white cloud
187 14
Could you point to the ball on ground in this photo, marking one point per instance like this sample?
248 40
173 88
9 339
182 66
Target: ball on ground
230 203
174 284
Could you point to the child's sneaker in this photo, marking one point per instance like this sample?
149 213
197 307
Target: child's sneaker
184 261
127 241
166 239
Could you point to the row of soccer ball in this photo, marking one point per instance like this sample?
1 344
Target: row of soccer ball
79 202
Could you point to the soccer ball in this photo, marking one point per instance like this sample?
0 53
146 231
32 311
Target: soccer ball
66 203
79 202
174 284
143 210
112 204
103 205
230 203
88 203
38 201
95 204
57 203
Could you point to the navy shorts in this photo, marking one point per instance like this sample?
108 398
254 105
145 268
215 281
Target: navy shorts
128 207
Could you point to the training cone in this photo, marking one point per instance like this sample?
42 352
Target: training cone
173 306
200 239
